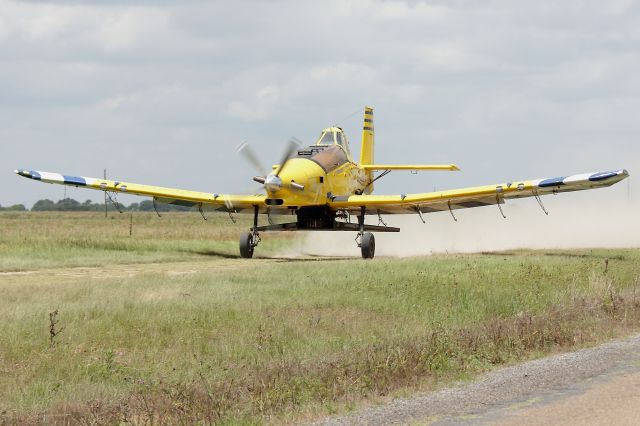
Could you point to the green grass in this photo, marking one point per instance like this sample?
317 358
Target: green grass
213 339
37 240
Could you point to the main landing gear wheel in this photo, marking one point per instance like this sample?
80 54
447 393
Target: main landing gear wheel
246 245
368 245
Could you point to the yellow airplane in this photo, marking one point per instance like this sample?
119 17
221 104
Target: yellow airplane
323 187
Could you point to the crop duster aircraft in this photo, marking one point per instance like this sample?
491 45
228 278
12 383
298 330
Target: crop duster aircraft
323 187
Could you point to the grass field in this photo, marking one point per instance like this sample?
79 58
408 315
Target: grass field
168 326
37 240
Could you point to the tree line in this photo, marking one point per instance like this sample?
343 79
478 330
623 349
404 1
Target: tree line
71 205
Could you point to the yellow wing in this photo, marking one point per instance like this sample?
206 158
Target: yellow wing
222 202
478 196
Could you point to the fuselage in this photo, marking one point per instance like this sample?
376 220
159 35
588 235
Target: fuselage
325 170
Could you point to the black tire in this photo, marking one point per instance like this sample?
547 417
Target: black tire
246 245
368 246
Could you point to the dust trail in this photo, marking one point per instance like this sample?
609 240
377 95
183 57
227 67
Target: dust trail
573 222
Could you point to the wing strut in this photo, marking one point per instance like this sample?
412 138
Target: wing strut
451 211
201 211
420 214
229 207
383 174
155 207
499 206
535 194
115 203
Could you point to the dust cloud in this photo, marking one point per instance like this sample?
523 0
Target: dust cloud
573 222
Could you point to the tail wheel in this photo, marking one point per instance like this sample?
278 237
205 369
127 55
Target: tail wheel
246 245
368 246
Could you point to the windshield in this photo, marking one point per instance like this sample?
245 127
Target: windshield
326 139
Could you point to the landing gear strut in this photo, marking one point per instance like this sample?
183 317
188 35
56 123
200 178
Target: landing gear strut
249 240
365 240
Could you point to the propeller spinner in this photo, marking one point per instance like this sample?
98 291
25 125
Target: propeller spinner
272 181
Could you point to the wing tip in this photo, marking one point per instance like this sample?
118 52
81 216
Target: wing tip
30 174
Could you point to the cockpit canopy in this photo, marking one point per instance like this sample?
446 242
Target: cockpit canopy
330 151
334 135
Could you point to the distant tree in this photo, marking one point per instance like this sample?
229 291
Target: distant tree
16 208
147 206
68 204
175 208
88 205
43 205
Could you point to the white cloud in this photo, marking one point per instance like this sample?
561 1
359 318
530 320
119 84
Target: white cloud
264 101
133 28
33 23
401 11
505 89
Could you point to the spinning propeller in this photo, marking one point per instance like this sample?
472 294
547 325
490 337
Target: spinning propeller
272 181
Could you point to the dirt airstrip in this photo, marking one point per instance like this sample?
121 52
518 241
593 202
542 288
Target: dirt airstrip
131 270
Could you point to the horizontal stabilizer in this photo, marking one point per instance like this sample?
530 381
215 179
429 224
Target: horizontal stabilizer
445 167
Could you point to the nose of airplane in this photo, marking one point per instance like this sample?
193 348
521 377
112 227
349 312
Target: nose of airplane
273 183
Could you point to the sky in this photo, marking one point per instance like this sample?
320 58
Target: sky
162 93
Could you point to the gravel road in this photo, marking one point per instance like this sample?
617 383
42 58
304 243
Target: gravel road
599 385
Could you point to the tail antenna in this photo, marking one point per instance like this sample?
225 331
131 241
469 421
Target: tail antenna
342 120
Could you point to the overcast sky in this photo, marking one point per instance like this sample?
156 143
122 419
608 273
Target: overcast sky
163 92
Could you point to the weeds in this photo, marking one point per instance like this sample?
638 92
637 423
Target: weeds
54 329
375 369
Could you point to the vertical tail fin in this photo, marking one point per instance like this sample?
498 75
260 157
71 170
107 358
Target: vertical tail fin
366 151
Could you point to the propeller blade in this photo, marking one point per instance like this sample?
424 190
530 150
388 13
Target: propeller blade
297 186
291 147
245 150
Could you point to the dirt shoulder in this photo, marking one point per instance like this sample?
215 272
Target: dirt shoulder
591 386
610 400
